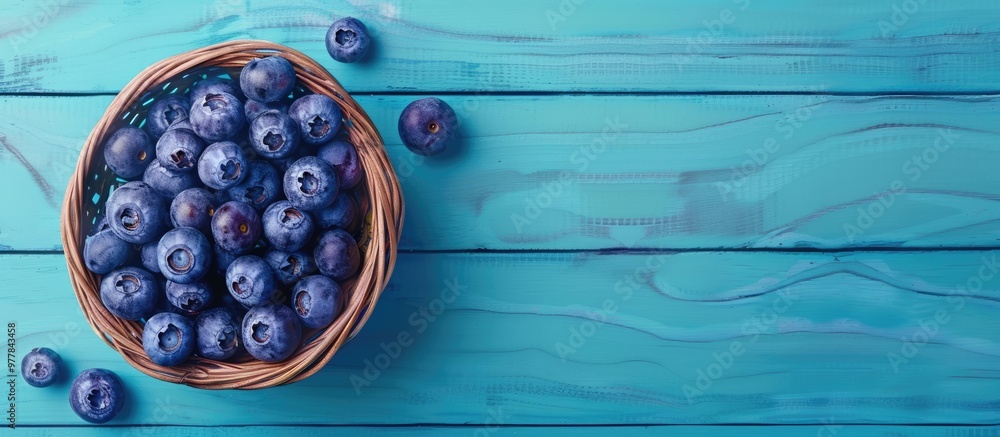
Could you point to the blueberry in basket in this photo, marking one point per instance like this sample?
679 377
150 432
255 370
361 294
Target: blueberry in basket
239 179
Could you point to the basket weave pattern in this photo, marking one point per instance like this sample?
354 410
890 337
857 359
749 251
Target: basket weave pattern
92 181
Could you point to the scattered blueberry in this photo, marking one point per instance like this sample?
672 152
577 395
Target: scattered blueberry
286 227
193 208
317 300
318 117
311 184
96 395
189 298
342 214
104 251
236 227
267 79
261 187
426 126
130 293
271 333
168 339
164 112
223 165
218 334
169 183
344 158
184 255
128 151
252 281
217 116
274 135
347 40
136 213
41 367
178 150
337 254
290 266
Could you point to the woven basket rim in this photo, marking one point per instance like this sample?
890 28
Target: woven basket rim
385 210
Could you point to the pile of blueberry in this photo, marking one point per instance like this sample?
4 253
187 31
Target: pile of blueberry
236 224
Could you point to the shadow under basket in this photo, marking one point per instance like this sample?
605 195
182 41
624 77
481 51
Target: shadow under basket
379 196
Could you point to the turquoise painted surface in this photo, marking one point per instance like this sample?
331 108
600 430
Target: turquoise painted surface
711 177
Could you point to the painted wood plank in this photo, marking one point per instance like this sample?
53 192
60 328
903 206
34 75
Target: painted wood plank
590 172
490 430
862 338
527 45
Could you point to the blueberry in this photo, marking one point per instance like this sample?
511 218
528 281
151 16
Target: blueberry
147 255
189 298
218 334
426 126
41 367
286 227
130 293
193 208
311 184
104 251
271 333
223 165
96 395
336 254
274 135
164 112
254 108
344 214
236 227
344 158
252 282
318 117
347 40
290 266
178 150
128 151
136 213
261 187
267 79
217 116
184 255
169 183
168 339
317 300
213 85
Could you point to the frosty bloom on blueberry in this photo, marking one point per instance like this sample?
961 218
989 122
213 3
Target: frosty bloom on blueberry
136 213
267 79
271 333
96 395
222 165
252 282
128 151
218 334
311 184
260 188
347 40
318 117
274 135
168 339
164 112
41 367
130 293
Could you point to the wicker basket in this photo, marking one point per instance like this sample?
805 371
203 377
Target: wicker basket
381 201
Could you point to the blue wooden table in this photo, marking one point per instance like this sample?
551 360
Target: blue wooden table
666 216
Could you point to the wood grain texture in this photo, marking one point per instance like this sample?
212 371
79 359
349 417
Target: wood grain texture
591 172
484 431
816 337
527 45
